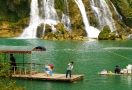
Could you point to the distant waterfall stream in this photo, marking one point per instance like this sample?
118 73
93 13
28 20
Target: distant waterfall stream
103 14
120 17
65 17
48 16
30 31
91 31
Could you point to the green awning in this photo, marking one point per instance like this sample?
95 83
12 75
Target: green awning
21 49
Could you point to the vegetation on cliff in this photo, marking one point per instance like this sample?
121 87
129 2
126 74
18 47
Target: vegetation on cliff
104 34
124 7
14 16
61 34
14 10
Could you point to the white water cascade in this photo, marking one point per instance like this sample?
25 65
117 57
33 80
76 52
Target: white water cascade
30 31
48 16
91 31
65 17
120 17
103 14
49 11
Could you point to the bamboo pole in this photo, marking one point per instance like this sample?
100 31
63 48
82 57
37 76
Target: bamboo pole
44 62
23 61
31 64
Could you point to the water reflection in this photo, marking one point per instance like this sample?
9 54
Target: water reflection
129 78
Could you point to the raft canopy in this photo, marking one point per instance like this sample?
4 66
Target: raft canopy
21 49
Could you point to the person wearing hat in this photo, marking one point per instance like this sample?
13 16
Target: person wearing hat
117 69
69 69
13 62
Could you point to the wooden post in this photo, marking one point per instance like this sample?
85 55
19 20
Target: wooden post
23 61
9 61
31 64
44 61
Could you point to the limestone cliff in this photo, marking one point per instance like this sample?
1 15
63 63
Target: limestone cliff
14 16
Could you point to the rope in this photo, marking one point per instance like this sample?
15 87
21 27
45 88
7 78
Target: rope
118 55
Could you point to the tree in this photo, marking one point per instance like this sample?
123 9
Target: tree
5 76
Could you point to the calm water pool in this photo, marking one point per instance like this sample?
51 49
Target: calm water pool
89 57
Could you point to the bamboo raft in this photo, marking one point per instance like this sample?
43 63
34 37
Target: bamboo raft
124 74
32 70
54 77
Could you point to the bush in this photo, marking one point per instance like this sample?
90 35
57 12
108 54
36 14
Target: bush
104 34
5 81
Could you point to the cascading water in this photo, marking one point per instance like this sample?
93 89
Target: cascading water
65 17
103 14
120 17
91 31
48 16
30 31
49 12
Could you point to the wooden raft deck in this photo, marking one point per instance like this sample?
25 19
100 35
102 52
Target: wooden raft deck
115 74
54 77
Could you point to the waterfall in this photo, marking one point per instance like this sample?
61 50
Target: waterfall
65 17
91 31
48 16
30 31
120 17
103 14
49 11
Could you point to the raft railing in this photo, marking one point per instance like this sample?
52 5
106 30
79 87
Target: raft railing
25 69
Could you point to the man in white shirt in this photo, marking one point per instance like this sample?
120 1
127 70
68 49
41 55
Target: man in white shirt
69 69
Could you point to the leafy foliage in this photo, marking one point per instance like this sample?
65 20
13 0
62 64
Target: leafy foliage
59 4
124 7
4 67
5 81
14 10
11 85
104 34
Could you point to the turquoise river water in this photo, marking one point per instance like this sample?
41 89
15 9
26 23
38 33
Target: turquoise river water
89 57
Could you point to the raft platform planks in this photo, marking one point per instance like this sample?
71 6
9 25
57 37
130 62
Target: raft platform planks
54 77
126 74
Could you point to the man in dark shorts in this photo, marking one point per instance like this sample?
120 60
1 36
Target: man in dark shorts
117 69
13 62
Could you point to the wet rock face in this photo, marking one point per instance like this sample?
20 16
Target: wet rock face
77 24
39 31
60 34
19 10
130 37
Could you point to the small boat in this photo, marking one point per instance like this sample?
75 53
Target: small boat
125 71
125 74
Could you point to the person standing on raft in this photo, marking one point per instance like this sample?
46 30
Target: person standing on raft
117 69
69 69
13 62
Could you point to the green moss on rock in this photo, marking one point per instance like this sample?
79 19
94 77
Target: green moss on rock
104 34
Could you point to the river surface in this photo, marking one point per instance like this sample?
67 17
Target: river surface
89 57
